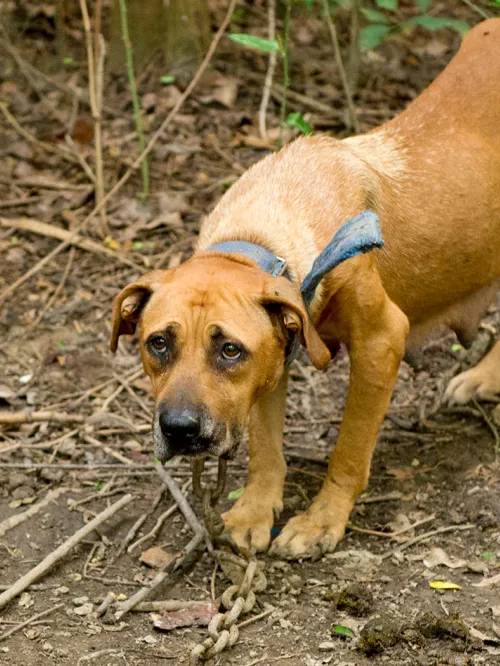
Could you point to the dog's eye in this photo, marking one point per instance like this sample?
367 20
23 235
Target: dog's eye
159 344
230 352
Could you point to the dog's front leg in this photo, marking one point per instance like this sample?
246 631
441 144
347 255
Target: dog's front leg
376 347
251 518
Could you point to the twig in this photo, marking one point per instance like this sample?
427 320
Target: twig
426 536
168 605
129 60
48 147
12 418
54 557
256 618
166 514
477 9
286 67
266 94
95 96
178 496
199 72
32 619
379 498
83 162
17 519
145 592
490 424
69 237
391 535
138 524
57 291
338 58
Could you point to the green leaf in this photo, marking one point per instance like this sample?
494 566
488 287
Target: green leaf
259 43
68 60
372 36
438 22
167 79
489 557
391 5
297 120
235 494
456 347
444 585
340 630
423 5
374 16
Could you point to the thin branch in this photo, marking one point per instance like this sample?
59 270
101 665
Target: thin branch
57 291
29 621
266 94
338 58
60 552
95 108
129 59
477 9
117 187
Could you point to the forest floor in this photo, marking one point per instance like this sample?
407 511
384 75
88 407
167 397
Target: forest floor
434 466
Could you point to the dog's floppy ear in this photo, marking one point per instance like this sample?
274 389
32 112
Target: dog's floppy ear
129 303
282 292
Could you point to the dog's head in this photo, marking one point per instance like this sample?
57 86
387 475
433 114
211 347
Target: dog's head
214 334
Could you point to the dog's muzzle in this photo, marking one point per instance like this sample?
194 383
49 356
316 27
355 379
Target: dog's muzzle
189 431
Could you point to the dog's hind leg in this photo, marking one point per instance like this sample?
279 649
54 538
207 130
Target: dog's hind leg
252 517
482 381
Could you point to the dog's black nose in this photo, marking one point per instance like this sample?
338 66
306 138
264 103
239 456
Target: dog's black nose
180 424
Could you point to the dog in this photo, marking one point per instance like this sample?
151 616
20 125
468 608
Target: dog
217 332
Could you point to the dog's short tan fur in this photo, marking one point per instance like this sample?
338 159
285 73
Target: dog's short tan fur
432 174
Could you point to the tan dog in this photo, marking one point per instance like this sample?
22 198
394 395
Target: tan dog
214 331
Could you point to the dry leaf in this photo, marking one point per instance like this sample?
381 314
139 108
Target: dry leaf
197 616
444 585
156 557
489 582
475 633
437 557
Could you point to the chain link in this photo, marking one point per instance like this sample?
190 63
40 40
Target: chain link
239 565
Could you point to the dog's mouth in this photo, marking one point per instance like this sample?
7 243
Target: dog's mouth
218 440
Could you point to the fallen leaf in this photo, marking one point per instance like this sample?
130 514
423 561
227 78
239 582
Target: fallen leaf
489 582
340 630
437 557
475 633
444 585
194 616
156 557
235 494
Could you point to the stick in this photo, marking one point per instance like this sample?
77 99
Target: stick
94 106
32 619
182 502
57 291
165 605
338 58
266 94
144 592
12 418
60 552
17 519
428 535
129 537
40 264
490 424
129 61
161 519
48 147
69 237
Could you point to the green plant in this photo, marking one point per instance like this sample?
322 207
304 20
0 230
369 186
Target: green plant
383 24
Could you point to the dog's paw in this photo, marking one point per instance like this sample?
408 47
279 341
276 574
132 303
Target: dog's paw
250 520
309 535
481 383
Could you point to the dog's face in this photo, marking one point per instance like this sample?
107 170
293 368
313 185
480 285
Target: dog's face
214 334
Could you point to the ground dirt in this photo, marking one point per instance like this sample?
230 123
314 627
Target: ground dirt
371 602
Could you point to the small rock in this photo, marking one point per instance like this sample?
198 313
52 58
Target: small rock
79 601
84 609
327 646
47 647
16 480
378 635
22 492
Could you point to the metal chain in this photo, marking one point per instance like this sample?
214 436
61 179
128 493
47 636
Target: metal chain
240 566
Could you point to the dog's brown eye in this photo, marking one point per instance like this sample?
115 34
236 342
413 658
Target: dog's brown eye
230 351
159 344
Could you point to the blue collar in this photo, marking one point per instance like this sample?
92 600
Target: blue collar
358 235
